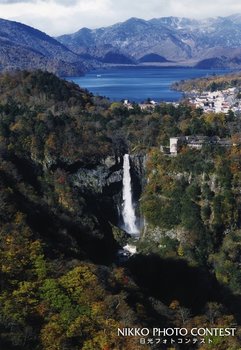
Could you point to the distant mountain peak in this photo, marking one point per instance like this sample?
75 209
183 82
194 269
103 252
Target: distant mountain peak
135 20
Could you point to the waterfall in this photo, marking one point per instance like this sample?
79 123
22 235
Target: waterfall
128 211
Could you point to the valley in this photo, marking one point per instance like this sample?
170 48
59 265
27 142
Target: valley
64 170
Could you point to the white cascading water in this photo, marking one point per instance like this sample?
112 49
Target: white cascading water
128 211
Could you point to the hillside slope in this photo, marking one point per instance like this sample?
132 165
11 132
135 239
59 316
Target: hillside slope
23 47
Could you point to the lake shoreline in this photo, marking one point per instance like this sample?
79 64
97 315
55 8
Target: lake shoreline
137 84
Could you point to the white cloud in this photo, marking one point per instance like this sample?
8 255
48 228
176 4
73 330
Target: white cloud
14 1
65 16
62 2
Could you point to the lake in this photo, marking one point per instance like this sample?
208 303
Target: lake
139 83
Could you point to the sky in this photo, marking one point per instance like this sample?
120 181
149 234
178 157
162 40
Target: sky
57 17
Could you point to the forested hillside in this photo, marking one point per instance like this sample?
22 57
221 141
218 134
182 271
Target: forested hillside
62 286
211 83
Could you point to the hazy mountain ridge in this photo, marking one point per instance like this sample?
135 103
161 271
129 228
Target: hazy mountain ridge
23 47
175 39
213 42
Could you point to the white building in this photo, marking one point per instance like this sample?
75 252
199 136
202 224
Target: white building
174 145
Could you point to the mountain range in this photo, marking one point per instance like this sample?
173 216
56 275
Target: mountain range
166 41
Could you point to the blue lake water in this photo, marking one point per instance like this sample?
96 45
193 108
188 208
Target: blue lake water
139 83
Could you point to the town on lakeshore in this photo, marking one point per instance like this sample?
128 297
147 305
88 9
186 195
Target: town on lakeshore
220 101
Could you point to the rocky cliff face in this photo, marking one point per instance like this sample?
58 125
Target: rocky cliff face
99 178
138 168
101 186
103 182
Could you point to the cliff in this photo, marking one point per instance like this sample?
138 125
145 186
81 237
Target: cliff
50 142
